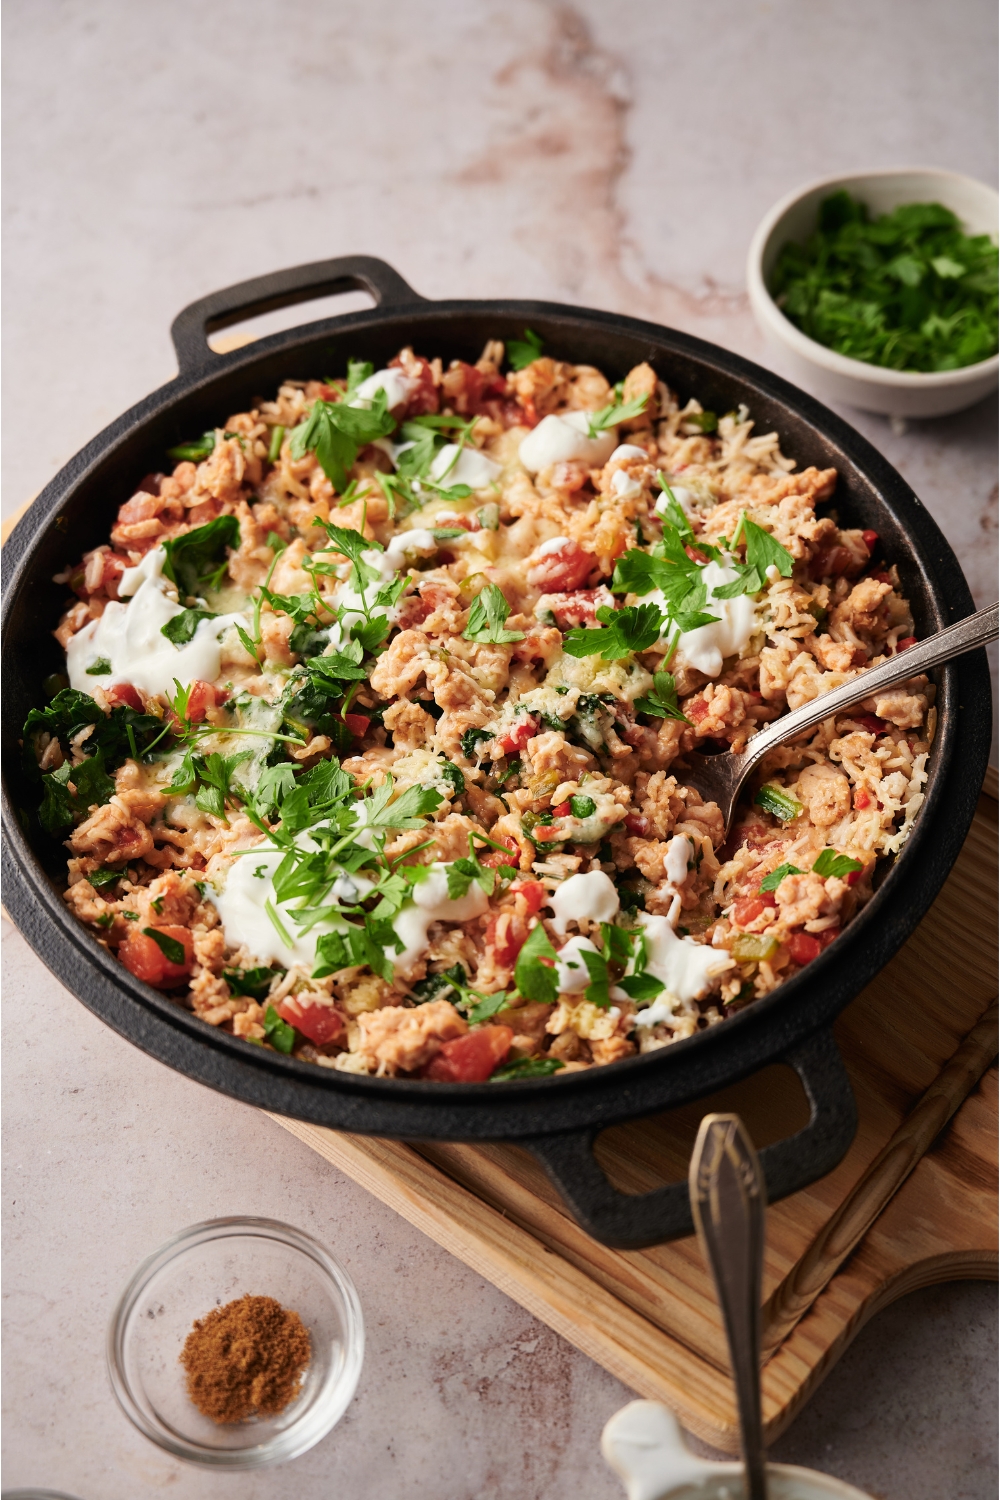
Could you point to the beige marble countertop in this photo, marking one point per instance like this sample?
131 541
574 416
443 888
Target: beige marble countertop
615 156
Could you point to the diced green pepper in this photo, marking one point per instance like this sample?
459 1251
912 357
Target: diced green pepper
754 947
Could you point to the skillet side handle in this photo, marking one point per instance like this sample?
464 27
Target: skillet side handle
321 278
628 1222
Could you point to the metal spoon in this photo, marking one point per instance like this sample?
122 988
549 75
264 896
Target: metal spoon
720 778
728 1198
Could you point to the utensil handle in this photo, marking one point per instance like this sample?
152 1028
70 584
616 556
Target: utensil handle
262 294
627 1221
955 640
728 1199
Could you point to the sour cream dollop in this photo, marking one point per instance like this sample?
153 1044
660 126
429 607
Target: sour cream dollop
130 637
706 648
686 969
592 896
558 439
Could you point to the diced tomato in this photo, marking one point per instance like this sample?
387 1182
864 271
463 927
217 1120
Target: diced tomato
862 798
748 908
203 697
578 608
804 947
869 722
696 709
424 398
881 577
853 876
144 958
562 571
506 934
534 894
494 858
124 695
827 936
869 538
637 824
320 1023
471 1058
695 555
523 731
357 724
562 811
905 642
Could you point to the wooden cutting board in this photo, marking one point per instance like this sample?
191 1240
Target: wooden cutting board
911 1204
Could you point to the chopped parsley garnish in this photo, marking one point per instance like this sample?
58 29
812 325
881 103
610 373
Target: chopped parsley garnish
582 807
535 978
662 702
172 950
194 452
772 881
182 627
278 1032
611 416
633 628
526 1067
102 666
197 561
487 617
838 865
524 352
251 981
336 433
706 421
907 290
102 879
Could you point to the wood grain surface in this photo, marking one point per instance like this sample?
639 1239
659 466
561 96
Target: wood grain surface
912 1203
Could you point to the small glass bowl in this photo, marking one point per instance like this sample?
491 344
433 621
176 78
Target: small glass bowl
204 1267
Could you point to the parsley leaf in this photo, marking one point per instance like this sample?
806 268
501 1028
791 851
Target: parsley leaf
197 560
611 416
195 451
278 1032
535 978
101 667
252 982
838 865
182 627
336 432
633 628
526 1067
772 881
487 616
521 353
172 950
662 702
461 874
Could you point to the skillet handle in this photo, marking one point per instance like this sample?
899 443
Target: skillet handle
627 1221
321 278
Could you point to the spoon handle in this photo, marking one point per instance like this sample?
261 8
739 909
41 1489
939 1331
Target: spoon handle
728 1199
969 634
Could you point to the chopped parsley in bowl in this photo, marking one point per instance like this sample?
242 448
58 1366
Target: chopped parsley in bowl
908 289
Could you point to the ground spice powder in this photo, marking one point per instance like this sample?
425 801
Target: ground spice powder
246 1358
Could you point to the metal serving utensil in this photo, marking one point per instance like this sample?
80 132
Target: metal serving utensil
728 1198
720 778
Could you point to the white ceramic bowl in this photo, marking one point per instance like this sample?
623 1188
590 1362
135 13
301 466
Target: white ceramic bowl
832 376
645 1446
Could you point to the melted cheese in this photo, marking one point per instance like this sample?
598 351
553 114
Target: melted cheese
592 896
129 636
559 439
687 969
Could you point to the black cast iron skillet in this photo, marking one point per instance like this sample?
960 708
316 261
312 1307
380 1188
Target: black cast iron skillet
557 1119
